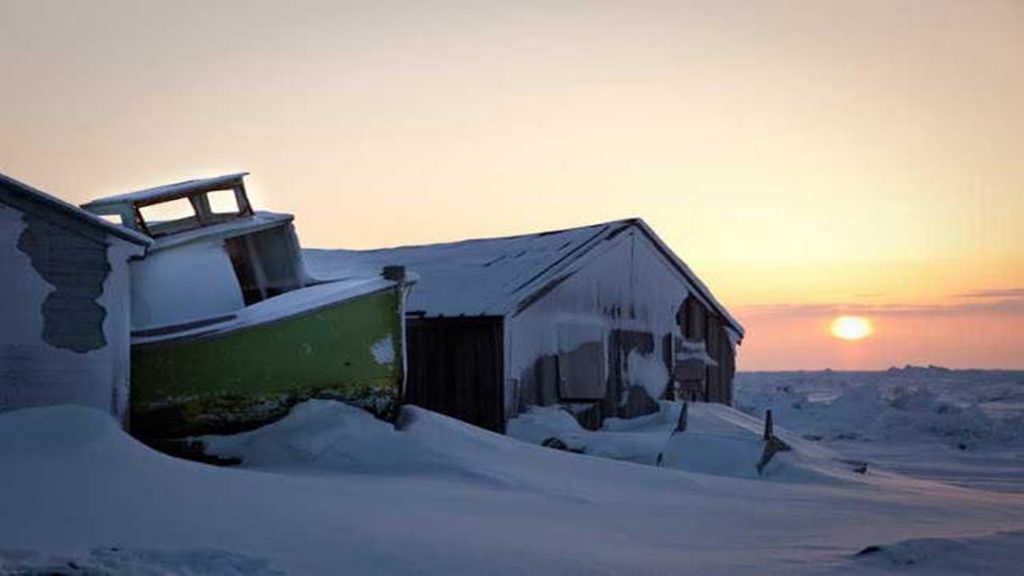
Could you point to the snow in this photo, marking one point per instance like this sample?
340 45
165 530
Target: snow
329 490
997 553
143 562
493 276
648 371
964 427
718 440
383 351
297 301
471 277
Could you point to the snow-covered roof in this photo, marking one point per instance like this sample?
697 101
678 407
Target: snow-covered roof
492 276
11 188
169 191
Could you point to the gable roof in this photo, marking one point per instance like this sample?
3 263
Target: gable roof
493 276
169 191
22 196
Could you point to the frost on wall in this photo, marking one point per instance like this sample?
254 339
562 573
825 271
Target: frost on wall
76 266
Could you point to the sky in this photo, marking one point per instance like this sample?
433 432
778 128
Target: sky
807 159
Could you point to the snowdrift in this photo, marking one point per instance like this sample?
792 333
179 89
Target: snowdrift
456 500
997 553
718 440
326 437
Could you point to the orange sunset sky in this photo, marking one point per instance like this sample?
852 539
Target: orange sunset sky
807 158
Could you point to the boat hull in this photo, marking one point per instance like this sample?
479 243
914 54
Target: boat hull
242 378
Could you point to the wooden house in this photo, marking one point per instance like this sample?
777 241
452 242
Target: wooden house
603 319
65 302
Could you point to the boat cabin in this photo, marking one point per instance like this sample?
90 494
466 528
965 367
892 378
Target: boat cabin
212 253
228 329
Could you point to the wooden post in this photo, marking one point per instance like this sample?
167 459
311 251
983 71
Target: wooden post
771 443
681 424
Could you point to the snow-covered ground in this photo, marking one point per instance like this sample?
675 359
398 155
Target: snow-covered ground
330 490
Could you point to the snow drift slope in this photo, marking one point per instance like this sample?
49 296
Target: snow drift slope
73 483
718 440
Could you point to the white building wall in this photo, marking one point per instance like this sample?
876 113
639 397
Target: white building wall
34 373
626 285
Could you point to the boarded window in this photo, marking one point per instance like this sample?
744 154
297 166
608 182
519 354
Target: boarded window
582 362
695 319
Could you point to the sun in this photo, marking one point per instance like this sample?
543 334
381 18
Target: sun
851 327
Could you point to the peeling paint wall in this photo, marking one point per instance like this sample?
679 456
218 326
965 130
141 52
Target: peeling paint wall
65 335
76 266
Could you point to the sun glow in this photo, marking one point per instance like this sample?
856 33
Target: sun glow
851 327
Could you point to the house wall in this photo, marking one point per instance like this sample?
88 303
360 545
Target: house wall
629 294
65 336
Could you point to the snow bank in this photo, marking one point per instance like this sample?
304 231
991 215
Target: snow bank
718 440
144 562
337 492
322 437
997 553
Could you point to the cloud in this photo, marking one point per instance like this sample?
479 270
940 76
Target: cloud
999 293
983 305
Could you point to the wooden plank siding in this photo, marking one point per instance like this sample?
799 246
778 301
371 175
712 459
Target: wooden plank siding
455 367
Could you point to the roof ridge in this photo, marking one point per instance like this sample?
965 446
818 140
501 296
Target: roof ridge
489 238
15 186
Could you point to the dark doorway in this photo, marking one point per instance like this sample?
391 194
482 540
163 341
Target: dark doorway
455 367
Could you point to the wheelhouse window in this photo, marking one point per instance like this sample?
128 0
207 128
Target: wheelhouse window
169 217
223 202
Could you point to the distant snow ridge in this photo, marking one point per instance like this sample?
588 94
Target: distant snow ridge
957 408
964 427
996 553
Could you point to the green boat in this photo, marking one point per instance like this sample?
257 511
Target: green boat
229 329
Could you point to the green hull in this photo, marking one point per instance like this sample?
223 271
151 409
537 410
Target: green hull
233 381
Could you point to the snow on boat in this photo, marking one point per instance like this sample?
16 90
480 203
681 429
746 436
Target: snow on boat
228 328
